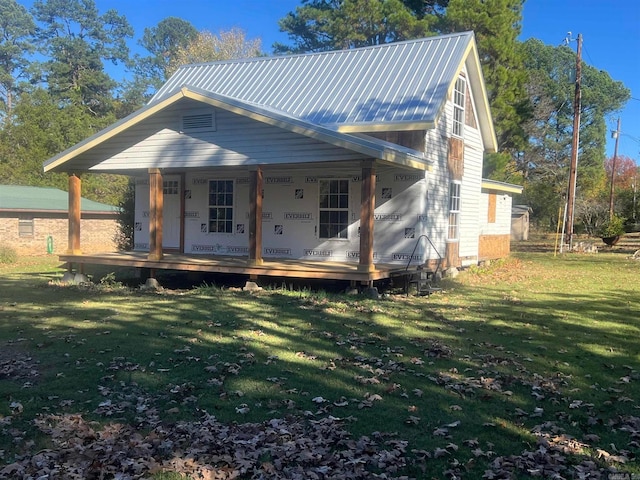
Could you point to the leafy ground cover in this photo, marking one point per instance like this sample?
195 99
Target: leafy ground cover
527 368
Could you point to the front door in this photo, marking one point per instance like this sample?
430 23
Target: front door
171 212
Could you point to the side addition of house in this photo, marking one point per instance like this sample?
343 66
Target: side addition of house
354 164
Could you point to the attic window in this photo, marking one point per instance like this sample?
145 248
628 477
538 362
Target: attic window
198 122
458 106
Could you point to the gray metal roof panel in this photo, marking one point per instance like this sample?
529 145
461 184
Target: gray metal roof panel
401 83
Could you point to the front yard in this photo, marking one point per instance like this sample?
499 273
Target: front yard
529 368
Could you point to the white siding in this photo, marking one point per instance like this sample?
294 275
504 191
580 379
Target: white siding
158 143
439 180
470 197
502 225
438 187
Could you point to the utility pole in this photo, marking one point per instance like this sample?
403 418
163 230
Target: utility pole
616 135
573 169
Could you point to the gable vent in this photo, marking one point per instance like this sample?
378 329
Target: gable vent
202 122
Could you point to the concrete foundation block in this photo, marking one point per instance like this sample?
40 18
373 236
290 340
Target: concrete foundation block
151 284
251 287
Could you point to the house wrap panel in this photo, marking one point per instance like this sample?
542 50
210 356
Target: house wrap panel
290 215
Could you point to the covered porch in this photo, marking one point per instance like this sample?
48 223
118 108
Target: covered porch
243 143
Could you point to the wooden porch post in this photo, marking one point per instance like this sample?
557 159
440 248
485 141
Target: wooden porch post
155 214
367 208
255 216
75 188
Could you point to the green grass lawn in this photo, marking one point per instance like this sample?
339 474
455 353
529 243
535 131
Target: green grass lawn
528 368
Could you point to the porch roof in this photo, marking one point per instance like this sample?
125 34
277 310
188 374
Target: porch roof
78 158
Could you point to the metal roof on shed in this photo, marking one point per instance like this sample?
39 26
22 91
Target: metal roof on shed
44 199
400 85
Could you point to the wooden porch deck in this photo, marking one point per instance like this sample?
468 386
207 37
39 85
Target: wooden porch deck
238 265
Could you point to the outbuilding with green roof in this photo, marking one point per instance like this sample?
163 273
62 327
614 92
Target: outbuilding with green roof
34 220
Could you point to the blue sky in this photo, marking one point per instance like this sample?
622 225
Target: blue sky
610 30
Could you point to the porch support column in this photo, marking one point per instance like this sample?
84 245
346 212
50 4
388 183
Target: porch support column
75 189
367 208
155 214
255 216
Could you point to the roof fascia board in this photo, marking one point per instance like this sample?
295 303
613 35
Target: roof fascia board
384 127
479 89
501 186
111 131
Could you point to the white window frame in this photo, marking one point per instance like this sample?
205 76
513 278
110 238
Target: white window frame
333 205
453 230
228 208
459 92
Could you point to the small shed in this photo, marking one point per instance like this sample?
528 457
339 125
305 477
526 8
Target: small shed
34 220
520 222
495 223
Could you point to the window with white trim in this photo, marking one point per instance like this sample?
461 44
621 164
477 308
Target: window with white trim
458 106
454 211
220 206
334 208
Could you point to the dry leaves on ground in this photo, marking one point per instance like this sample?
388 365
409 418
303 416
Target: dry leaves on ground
276 449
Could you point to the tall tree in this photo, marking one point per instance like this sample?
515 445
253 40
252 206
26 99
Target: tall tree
162 42
207 47
77 40
42 128
151 71
625 171
496 24
320 25
16 43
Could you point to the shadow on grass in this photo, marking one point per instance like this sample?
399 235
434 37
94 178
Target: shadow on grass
112 353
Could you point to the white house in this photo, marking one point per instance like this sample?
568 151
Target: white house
355 164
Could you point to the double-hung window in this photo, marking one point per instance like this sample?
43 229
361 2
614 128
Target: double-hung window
458 107
334 208
454 211
221 206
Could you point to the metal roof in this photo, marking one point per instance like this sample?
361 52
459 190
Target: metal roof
401 85
44 199
328 96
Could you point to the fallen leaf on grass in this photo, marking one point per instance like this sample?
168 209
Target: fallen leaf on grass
412 420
